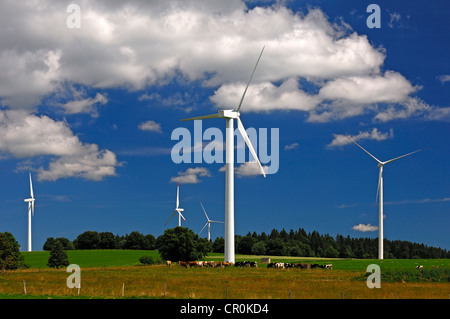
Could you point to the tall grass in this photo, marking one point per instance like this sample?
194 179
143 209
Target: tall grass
211 283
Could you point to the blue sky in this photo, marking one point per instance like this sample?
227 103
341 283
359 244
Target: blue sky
90 111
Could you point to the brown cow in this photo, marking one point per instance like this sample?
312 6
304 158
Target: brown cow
168 263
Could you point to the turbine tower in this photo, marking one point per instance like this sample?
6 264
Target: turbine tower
177 209
30 202
380 194
230 116
209 221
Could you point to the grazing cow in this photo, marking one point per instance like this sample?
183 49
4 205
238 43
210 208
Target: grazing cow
223 264
208 264
279 265
419 267
168 263
195 264
303 266
315 266
183 264
329 266
254 264
271 265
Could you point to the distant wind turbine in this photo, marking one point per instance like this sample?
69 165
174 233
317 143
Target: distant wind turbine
380 194
177 209
30 202
208 223
229 116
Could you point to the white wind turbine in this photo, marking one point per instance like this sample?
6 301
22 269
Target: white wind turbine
380 194
229 116
177 209
208 223
30 202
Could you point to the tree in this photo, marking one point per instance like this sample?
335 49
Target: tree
10 257
135 240
67 244
58 257
276 247
181 244
244 246
88 240
107 241
218 245
259 248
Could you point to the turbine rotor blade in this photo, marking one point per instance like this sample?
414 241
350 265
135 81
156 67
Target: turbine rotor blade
203 228
170 217
378 188
178 195
394 159
251 77
181 215
31 187
249 144
213 221
365 150
204 211
212 116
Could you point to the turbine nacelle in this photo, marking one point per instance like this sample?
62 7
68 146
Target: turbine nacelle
228 114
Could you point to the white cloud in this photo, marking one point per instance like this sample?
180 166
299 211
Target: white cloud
444 78
266 97
410 107
247 169
394 17
375 134
292 146
85 105
31 136
151 126
137 44
190 176
365 228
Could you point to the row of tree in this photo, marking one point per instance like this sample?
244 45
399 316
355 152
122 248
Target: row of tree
302 244
296 243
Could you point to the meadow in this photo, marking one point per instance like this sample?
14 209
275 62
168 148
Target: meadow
119 274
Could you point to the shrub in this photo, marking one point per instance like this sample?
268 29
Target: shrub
147 260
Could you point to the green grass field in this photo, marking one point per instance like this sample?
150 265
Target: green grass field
92 258
127 258
111 273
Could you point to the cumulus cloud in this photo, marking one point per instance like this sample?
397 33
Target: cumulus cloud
137 44
85 105
151 126
374 134
26 135
365 228
247 169
191 175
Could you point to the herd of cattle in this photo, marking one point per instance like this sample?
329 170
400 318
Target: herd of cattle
246 264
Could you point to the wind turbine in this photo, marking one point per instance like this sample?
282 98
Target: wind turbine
30 202
177 209
230 116
209 221
380 194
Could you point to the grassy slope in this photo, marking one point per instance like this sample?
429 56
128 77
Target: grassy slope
123 258
91 258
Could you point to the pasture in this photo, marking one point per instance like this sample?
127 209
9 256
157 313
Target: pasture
118 274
